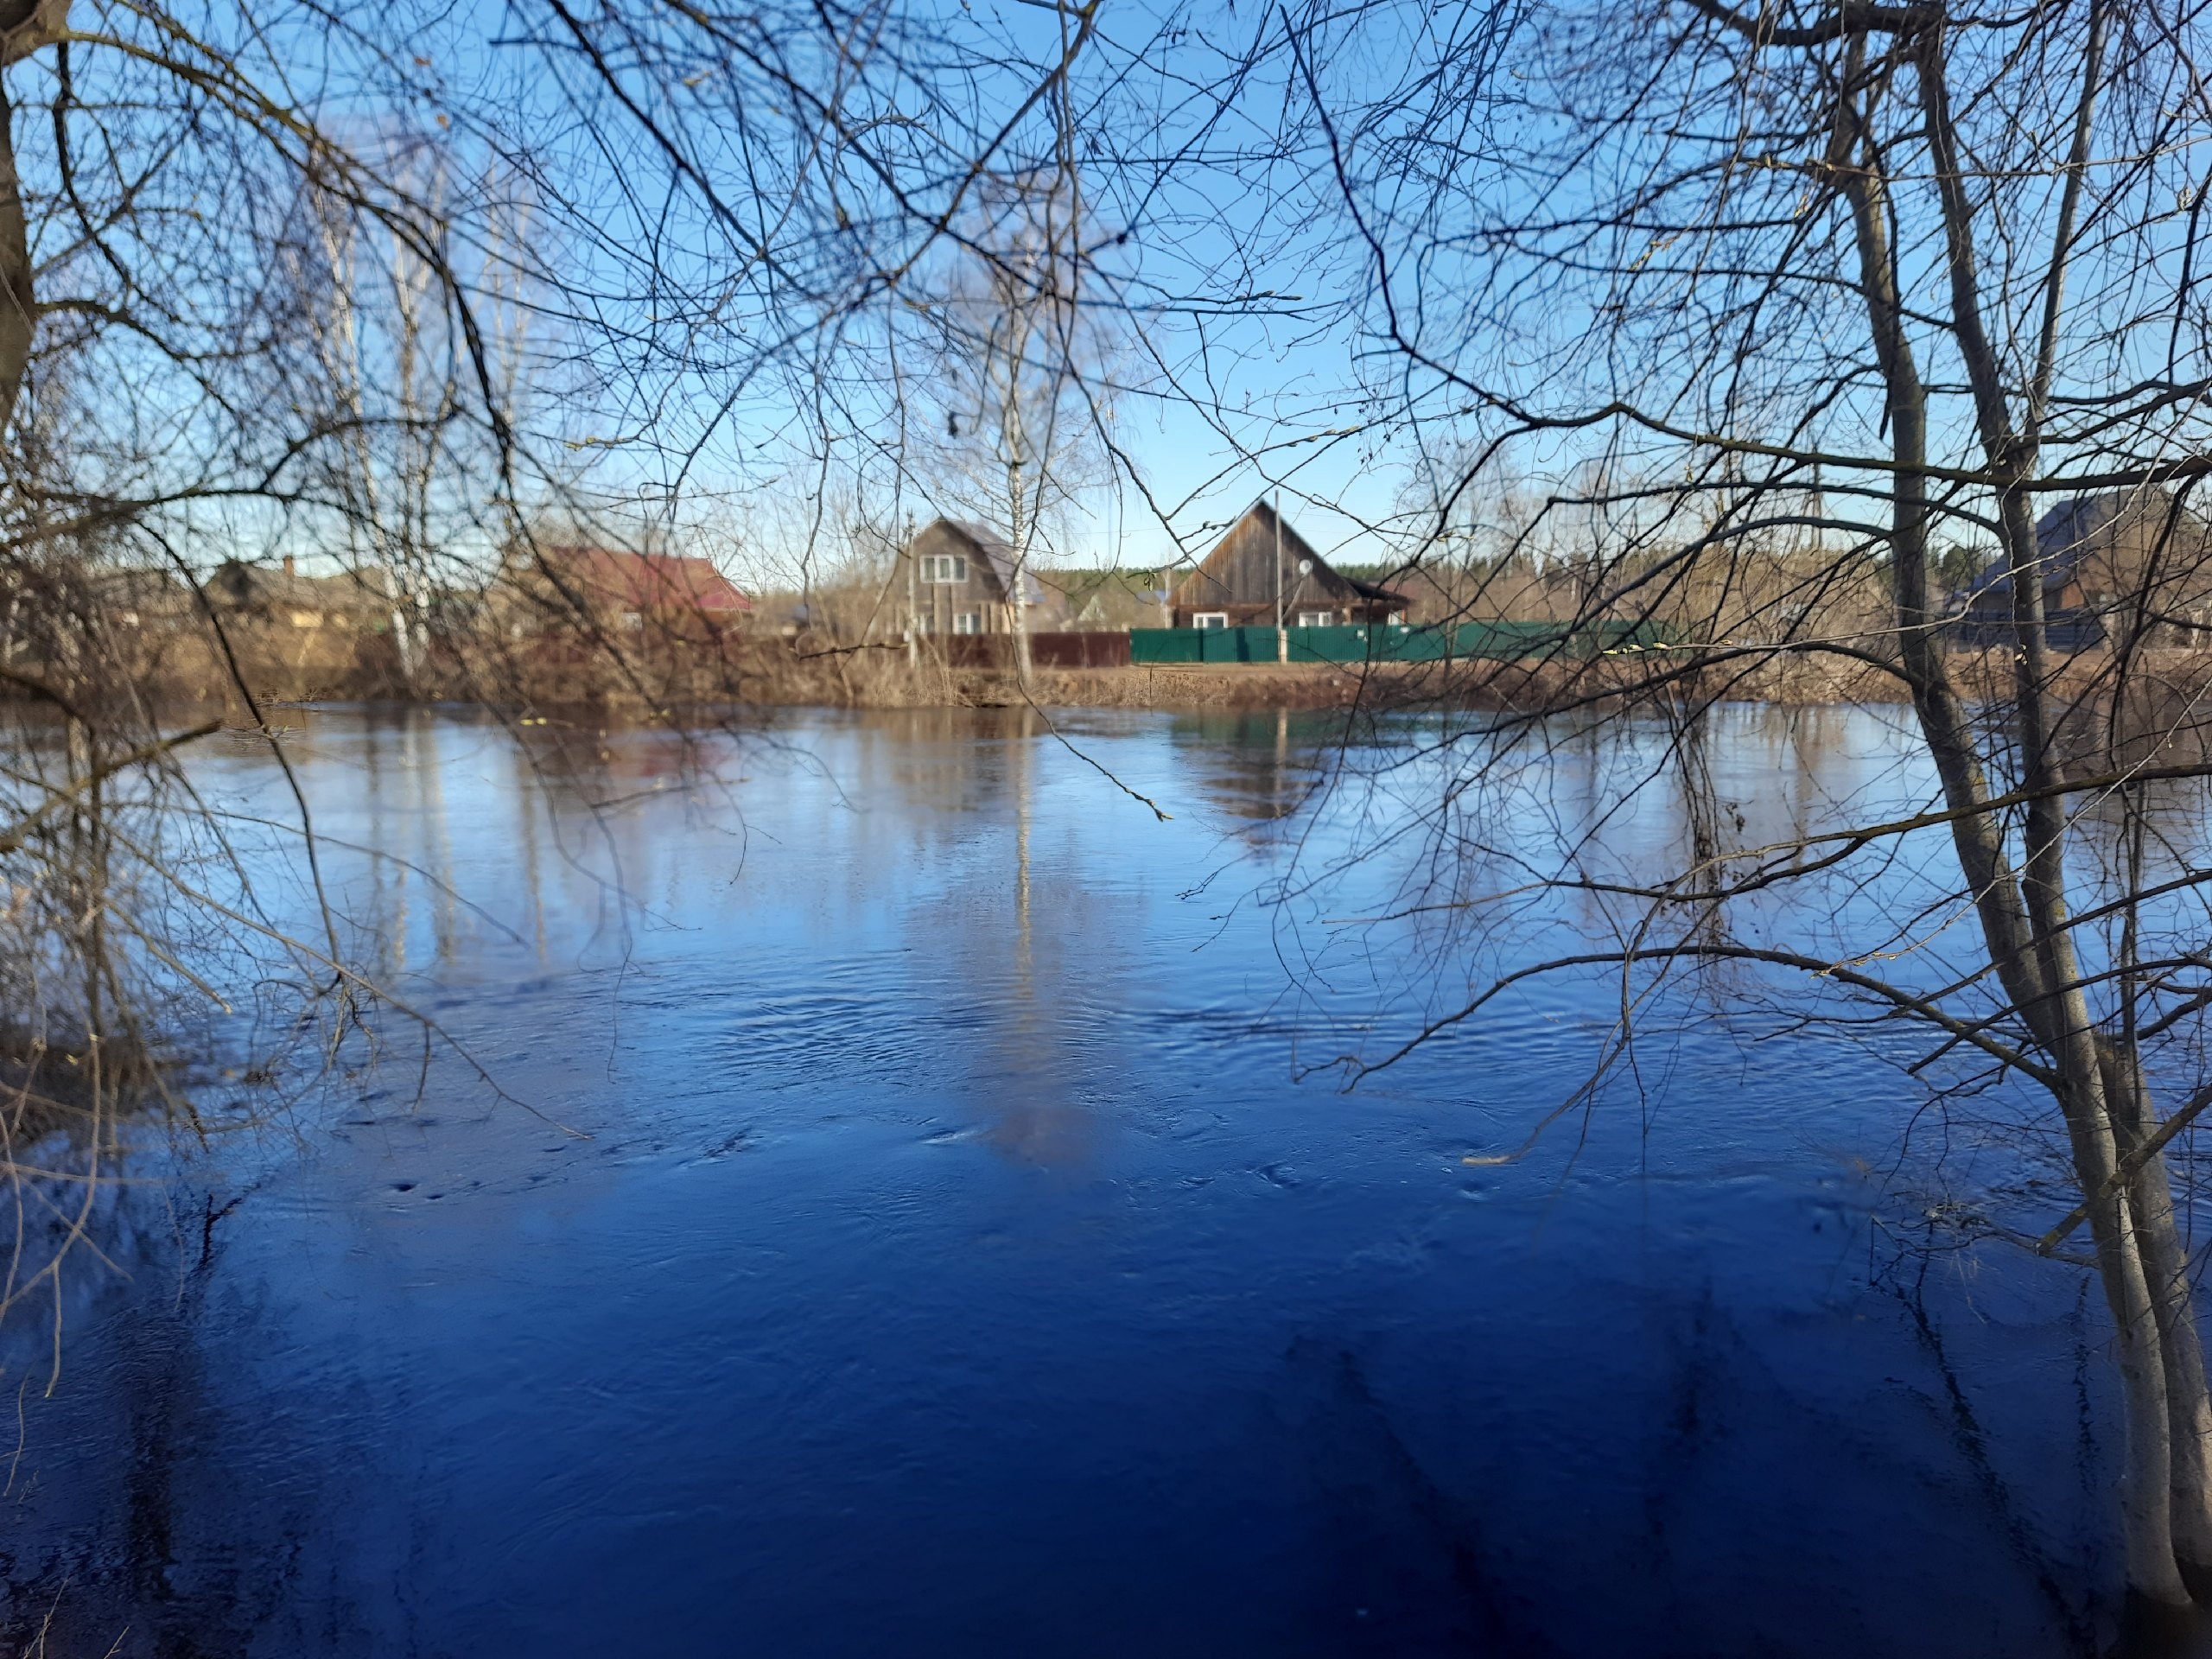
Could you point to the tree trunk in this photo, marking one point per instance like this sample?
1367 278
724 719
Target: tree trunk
25 26
1017 618
2022 920
18 301
2060 1018
2165 1260
2148 1463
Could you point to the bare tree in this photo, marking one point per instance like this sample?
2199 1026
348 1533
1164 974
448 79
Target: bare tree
1021 355
1789 294
267 297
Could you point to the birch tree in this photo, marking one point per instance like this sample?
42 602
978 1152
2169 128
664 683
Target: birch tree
1023 363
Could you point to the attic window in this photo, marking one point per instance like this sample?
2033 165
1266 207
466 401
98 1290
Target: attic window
943 567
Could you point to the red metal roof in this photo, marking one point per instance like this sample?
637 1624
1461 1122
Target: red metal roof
647 582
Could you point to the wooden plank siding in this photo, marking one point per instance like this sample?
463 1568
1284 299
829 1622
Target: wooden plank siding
982 591
1238 581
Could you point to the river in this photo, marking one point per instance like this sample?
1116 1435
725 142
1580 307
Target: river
915 1215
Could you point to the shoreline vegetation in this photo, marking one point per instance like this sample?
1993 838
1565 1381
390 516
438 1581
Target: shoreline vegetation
539 637
189 672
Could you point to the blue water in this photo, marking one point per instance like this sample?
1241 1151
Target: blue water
953 1248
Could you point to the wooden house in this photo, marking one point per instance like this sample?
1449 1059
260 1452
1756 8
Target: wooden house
2112 564
1236 584
963 581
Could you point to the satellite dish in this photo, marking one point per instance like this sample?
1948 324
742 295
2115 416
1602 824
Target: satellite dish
1305 566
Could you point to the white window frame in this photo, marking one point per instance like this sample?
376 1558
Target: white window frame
1209 620
967 622
941 568
1316 619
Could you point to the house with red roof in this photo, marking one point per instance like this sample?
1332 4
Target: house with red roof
672 595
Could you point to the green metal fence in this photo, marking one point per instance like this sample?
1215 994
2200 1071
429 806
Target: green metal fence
1387 642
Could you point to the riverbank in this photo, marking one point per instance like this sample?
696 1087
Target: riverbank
1533 686
764 670
771 675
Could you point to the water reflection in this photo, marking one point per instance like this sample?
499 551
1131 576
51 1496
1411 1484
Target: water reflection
957 1266
1258 765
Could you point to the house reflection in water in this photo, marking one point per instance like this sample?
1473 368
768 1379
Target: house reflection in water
1256 764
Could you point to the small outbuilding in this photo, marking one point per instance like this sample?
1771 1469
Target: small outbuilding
1262 561
964 581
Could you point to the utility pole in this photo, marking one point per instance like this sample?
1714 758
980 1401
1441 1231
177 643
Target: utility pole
1282 634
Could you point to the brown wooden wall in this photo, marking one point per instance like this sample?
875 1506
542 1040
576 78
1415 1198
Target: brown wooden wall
1239 578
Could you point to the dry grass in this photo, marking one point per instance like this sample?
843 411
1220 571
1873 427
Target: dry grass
643 675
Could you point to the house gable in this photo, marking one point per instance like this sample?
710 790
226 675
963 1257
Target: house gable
980 554
971 595
1238 579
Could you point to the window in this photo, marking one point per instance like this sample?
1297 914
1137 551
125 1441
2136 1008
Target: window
967 622
1210 619
1315 618
943 567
